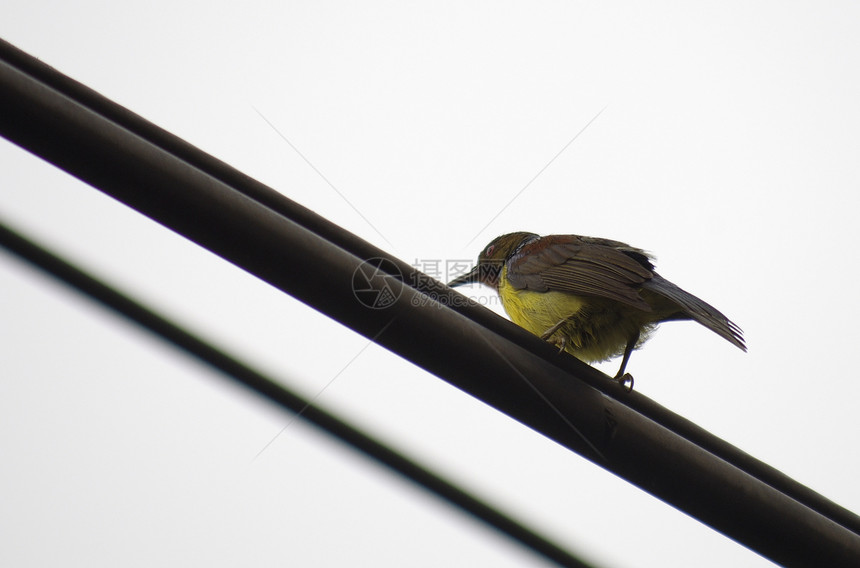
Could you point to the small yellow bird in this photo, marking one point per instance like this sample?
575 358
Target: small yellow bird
594 298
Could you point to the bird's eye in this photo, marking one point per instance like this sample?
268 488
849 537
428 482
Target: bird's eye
490 250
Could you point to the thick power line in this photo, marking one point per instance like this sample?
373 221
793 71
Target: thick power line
568 402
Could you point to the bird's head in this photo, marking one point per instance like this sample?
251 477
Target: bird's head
492 259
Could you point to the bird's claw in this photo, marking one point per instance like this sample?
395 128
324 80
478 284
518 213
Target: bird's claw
560 342
623 380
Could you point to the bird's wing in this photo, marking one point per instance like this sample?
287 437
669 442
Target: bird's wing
697 309
583 266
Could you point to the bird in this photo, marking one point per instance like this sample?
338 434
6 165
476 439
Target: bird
594 298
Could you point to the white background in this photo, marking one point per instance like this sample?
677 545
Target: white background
728 146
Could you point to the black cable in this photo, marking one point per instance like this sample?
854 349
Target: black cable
267 387
409 275
560 404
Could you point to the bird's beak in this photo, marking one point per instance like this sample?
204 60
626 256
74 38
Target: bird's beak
469 278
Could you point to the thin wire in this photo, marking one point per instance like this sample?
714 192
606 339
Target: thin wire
537 175
325 179
274 391
313 400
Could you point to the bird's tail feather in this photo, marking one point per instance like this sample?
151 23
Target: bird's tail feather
701 311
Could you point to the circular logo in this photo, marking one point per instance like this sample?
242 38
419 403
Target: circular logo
373 283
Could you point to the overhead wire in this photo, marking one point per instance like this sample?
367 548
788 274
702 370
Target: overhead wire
273 390
629 436
408 274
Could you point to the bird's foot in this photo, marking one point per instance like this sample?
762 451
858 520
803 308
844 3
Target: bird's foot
623 380
548 333
560 342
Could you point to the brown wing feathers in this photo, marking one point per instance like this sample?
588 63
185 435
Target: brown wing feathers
590 267
697 309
